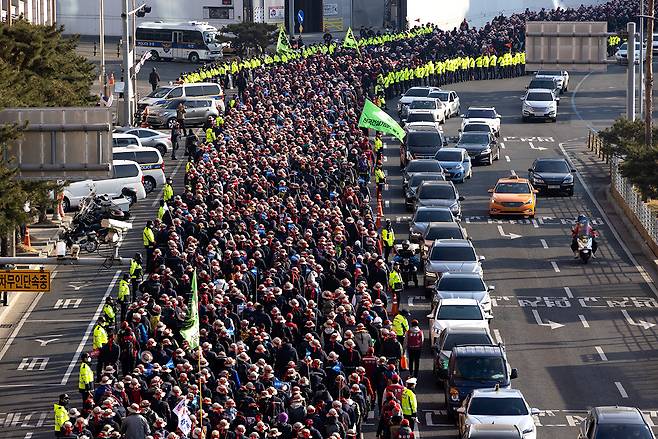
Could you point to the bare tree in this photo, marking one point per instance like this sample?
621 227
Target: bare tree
648 88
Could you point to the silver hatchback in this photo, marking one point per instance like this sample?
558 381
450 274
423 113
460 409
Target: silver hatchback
197 112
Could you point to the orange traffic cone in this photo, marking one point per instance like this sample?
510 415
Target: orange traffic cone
394 304
26 238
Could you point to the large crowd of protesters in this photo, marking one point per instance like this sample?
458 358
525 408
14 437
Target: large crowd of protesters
275 225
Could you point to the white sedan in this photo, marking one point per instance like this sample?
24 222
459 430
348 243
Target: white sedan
498 406
451 313
449 99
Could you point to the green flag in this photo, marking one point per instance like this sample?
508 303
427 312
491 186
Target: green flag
282 44
374 117
190 331
349 41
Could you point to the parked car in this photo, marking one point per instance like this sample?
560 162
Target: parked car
561 76
450 101
180 91
149 159
615 422
499 406
552 174
539 104
197 112
451 256
149 137
621 56
456 163
125 139
127 180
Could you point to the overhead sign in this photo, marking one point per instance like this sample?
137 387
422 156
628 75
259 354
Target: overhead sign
300 16
566 45
35 281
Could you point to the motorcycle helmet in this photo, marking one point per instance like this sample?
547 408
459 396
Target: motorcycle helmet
406 244
582 219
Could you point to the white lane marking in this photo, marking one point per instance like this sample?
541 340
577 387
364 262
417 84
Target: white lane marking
30 363
621 389
502 145
507 159
384 159
386 186
386 203
28 435
583 321
156 202
573 101
569 293
416 431
20 324
555 267
551 324
599 351
497 336
534 223
605 217
543 243
645 325
74 362
65 303
539 148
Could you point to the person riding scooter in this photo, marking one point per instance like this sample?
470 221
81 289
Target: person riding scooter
407 259
583 227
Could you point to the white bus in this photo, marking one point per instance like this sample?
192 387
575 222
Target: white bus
192 41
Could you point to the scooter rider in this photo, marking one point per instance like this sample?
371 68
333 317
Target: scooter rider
583 227
408 268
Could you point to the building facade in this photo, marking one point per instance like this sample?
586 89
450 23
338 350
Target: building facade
35 11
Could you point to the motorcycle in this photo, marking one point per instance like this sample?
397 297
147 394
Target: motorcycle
585 243
409 261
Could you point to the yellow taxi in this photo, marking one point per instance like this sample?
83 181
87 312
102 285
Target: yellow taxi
513 196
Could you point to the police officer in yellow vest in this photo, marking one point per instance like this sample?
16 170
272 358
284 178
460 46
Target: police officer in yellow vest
210 135
380 179
378 146
167 191
409 402
99 334
86 377
123 295
148 239
388 239
135 271
61 414
395 283
109 313
400 325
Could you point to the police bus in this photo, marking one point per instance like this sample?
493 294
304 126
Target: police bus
191 41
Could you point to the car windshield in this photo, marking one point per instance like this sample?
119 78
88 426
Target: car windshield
542 83
444 233
459 312
437 216
160 92
448 156
423 138
556 166
512 188
481 114
424 104
417 92
440 95
481 368
417 179
420 117
499 407
453 254
435 191
210 37
477 127
626 431
453 340
461 284
536 96
474 138
424 166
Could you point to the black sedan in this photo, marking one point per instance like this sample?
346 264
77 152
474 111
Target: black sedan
481 147
552 175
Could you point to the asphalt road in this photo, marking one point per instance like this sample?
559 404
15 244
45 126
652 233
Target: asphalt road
598 352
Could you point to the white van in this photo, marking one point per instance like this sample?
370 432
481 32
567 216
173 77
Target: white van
168 92
149 159
127 179
122 139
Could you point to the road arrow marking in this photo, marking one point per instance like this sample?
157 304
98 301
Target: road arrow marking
45 341
509 235
77 287
645 325
538 148
551 324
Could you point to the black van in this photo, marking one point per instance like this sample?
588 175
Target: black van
475 367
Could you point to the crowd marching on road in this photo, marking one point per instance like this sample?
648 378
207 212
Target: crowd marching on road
273 250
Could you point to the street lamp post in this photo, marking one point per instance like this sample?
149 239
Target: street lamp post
102 46
127 67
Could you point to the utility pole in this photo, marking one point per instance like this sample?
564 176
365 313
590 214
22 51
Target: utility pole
630 77
127 66
102 46
642 55
291 19
648 89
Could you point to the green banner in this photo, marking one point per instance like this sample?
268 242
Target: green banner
349 41
374 117
282 43
190 331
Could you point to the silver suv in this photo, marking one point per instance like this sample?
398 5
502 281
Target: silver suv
197 112
617 422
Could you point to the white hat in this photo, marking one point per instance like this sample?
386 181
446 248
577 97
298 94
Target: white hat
411 381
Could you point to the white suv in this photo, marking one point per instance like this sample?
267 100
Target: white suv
127 179
486 115
149 159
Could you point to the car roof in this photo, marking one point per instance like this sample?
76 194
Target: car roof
551 159
618 415
494 431
459 275
434 208
466 329
422 100
437 183
539 90
512 179
496 393
453 149
427 174
421 126
421 161
134 148
125 162
419 111
453 243
458 301
478 351
124 136
482 108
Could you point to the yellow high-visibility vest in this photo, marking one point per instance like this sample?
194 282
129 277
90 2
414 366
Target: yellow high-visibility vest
86 376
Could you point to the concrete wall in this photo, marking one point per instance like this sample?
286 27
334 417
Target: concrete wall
369 13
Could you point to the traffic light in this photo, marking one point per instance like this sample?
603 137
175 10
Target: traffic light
143 11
